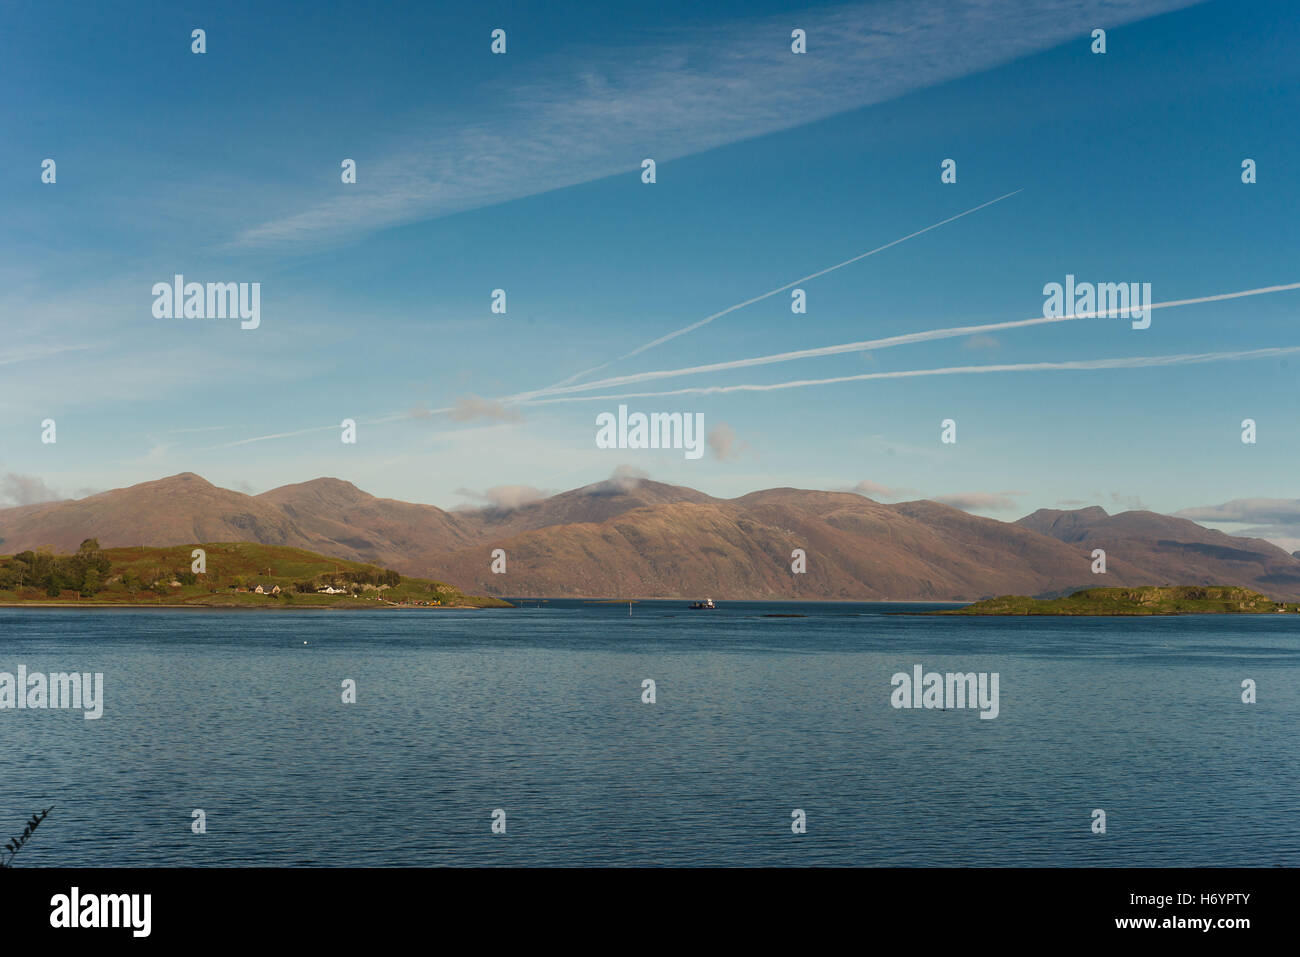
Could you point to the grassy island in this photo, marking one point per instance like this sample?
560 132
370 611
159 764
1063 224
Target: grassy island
225 575
1148 600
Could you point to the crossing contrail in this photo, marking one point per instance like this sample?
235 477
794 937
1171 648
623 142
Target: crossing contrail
556 394
790 285
1133 362
874 344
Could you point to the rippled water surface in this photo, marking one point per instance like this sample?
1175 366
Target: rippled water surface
538 711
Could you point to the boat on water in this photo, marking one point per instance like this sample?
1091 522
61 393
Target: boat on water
706 604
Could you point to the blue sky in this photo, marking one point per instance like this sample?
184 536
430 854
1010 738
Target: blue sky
522 172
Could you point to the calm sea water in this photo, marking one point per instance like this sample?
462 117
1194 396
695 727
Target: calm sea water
538 711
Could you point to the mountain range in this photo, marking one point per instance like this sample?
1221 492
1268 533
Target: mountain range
627 537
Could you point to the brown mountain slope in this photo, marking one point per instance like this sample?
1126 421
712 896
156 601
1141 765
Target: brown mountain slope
627 538
337 518
1175 550
171 511
591 503
855 548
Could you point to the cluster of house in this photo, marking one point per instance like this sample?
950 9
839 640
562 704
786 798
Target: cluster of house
272 589
260 589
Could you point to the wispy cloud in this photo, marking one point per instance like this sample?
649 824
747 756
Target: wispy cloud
1255 510
980 501
876 490
18 489
1127 501
593 111
471 408
36 353
723 442
268 438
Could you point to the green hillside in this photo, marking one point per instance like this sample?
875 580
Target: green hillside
233 571
1151 600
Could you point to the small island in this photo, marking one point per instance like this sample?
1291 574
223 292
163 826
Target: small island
216 575
1146 600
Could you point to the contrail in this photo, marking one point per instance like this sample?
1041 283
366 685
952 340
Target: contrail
267 438
40 352
874 344
790 285
1133 362
391 417
537 397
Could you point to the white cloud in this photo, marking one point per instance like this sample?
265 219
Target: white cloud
625 478
980 501
1276 520
505 497
876 490
18 489
470 408
723 442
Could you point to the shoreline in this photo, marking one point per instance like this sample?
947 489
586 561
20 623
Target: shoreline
1102 614
193 607
509 603
737 601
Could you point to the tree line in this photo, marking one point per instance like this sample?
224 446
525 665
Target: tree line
83 572
88 572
